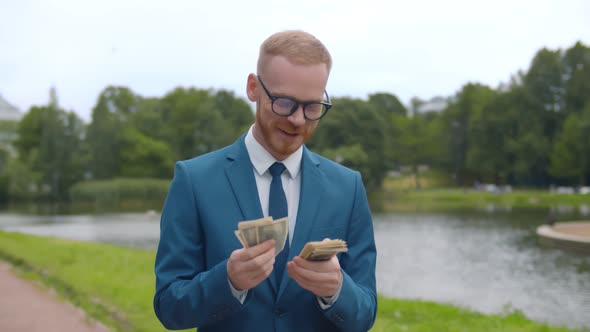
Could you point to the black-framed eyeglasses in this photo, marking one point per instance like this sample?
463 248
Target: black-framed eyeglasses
285 106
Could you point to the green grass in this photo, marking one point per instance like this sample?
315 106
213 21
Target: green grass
418 316
447 199
112 284
115 286
437 193
427 179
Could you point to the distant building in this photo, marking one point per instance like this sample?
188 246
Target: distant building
436 104
8 112
9 118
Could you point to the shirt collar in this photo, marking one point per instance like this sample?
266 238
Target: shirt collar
262 159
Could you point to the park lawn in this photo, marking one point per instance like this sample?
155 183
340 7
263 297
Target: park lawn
421 316
115 285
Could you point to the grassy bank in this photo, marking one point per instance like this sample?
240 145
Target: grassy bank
115 285
120 194
449 199
437 193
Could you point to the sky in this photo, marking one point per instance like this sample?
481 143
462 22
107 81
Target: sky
411 49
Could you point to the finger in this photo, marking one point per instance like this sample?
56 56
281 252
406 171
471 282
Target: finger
318 266
260 262
251 252
294 273
321 284
304 275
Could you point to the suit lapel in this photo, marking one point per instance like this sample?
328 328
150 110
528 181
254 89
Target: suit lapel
312 188
241 178
239 172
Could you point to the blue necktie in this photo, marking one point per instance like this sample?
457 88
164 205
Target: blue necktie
277 208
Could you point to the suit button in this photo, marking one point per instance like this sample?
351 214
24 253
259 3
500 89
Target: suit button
337 317
279 312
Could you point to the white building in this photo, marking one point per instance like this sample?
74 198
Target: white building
9 118
8 112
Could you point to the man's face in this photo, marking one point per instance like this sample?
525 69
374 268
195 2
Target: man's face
283 135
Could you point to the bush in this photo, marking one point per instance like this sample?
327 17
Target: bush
121 193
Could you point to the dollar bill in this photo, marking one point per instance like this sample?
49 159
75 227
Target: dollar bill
253 223
240 238
253 232
277 230
323 250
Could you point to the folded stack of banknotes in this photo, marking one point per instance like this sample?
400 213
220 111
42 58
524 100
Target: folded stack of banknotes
253 232
323 250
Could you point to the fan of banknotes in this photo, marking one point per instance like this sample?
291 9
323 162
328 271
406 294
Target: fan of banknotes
323 250
253 232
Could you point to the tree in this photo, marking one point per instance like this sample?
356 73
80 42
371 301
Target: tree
49 149
490 130
143 156
466 108
352 122
545 88
571 152
576 63
387 103
389 107
109 118
199 121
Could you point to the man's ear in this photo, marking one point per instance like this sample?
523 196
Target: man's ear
251 87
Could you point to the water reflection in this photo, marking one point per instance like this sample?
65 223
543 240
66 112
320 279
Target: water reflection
485 260
130 229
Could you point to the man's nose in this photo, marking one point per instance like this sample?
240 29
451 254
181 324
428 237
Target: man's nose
297 118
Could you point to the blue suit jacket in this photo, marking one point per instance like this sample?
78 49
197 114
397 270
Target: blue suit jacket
208 196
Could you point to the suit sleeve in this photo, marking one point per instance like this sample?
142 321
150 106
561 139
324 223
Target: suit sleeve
187 294
356 307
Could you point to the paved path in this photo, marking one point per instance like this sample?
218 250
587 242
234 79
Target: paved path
27 307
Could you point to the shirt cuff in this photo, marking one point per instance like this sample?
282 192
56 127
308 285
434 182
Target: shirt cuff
326 302
239 295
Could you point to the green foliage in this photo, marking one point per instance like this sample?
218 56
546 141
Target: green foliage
529 132
109 118
571 151
132 136
111 193
352 156
49 147
576 62
387 104
460 118
115 285
355 122
199 121
22 181
29 132
143 156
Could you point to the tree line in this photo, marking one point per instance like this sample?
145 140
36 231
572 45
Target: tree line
532 131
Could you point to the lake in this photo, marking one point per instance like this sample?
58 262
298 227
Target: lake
488 260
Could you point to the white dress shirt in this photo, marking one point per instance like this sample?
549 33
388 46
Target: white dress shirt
291 179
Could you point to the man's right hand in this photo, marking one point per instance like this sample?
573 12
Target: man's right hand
247 267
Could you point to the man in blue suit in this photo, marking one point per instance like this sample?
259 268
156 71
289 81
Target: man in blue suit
205 279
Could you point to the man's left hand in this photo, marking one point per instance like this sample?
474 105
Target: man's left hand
323 278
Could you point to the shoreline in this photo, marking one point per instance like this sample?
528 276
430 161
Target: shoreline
118 292
448 199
